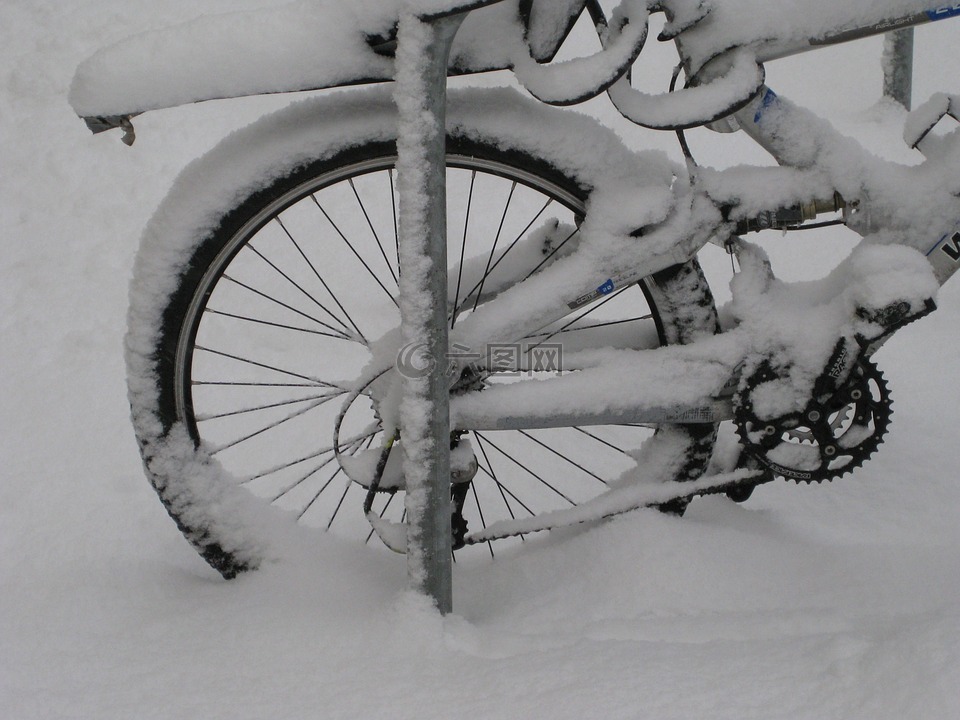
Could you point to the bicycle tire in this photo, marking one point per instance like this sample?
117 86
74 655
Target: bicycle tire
212 312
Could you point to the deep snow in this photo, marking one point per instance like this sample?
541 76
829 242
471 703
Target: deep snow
819 602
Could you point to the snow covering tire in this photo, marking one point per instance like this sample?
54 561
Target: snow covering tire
253 305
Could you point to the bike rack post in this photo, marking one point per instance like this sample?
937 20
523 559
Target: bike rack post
898 66
421 79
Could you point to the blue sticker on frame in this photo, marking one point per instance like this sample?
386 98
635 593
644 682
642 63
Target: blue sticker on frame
769 98
606 288
948 11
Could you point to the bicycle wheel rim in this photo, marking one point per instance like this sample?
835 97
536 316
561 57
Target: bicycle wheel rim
498 459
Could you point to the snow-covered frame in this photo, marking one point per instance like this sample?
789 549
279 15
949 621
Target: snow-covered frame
917 206
691 375
676 222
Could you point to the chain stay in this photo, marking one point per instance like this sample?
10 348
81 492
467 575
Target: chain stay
620 501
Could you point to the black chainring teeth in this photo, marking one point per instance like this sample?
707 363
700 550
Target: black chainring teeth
829 438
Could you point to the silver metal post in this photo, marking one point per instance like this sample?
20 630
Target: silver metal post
898 66
422 56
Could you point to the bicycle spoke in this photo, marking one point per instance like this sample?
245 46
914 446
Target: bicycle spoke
493 248
504 490
271 426
602 441
530 472
352 443
591 309
325 486
562 456
339 333
553 252
228 383
282 403
356 254
376 237
274 324
523 467
510 247
320 492
483 522
463 249
339 504
345 491
383 512
322 281
316 382
297 285
594 326
299 481
396 226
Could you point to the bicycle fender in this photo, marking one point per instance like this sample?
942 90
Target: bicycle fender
226 56
315 45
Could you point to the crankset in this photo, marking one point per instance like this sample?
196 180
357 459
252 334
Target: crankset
833 435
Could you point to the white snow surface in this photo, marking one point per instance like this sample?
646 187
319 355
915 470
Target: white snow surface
834 601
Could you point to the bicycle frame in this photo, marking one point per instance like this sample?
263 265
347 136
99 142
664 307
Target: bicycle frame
766 120
669 217
694 221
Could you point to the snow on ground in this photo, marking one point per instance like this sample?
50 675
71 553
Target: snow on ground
806 602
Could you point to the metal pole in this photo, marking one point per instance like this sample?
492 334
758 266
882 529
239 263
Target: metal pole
421 73
898 66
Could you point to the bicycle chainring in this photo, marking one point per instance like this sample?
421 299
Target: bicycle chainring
829 438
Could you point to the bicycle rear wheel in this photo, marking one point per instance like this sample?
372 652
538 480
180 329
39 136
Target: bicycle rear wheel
275 312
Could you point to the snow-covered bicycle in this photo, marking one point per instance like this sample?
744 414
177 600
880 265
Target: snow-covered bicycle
589 368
